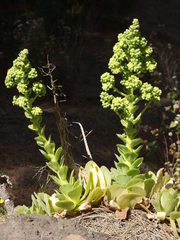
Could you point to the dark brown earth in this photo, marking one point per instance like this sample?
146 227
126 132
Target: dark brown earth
19 156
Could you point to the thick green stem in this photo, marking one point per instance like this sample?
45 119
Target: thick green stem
137 119
120 93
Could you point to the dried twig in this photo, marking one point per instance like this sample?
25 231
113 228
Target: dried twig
62 128
85 140
40 172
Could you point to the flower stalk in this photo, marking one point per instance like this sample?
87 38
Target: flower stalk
123 90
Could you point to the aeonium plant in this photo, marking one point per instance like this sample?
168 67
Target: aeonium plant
165 199
167 205
123 90
72 194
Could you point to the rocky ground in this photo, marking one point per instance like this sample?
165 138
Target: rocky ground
99 224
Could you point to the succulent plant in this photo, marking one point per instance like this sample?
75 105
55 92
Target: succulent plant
41 204
131 60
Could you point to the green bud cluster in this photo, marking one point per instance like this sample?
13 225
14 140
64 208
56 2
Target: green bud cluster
20 70
20 101
22 87
107 81
32 73
132 82
150 93
118 104
39 89
36 111
23 76
132 58
132 55
107 99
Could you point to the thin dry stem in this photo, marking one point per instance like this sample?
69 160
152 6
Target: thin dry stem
62 127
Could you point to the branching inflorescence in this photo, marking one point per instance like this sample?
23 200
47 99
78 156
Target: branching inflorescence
131 60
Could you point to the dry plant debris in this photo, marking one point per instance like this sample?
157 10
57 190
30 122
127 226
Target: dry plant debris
138 226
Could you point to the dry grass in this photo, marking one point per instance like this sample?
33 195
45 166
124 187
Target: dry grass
138 226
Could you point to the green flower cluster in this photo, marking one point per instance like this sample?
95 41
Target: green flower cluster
106 99
22 87
23 76
132 58
132 55
107 81
119 103
39 89
150 93
132 82
20 101
36 111
32 73
19 72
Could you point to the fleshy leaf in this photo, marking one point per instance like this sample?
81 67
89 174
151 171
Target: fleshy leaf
116 190
128 200
107 175
66 204
148 185
169 200
58 153
175 215
95 195
122 180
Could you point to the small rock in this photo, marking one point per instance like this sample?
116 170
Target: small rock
74 237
